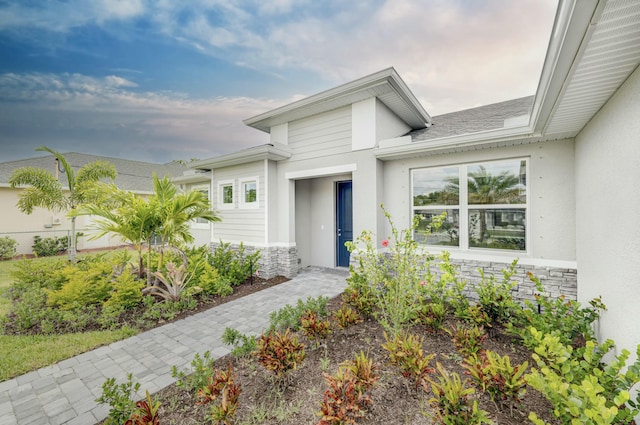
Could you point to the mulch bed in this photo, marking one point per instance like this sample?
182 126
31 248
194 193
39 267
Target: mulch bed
395 399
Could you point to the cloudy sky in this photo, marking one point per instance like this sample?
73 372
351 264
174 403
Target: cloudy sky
159 80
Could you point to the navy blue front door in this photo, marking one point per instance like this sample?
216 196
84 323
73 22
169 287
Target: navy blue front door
344 222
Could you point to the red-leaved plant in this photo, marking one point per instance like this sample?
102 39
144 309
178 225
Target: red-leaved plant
279 353
223 392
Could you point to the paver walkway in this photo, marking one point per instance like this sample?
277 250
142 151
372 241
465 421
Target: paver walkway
65 393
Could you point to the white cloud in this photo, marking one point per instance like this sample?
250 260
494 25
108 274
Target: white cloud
76 109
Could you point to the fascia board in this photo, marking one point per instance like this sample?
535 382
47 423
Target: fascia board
574 23
271 152
466 140
332 98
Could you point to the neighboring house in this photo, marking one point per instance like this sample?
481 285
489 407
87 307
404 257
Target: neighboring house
565 166
135 176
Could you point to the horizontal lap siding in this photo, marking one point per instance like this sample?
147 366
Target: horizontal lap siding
322 135
240 224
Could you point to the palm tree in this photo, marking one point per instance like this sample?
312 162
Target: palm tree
44 190
486 188
165 215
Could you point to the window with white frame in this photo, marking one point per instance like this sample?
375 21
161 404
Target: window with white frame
226 194
199 222
249 192
489 211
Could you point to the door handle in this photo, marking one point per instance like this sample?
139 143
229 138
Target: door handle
339 232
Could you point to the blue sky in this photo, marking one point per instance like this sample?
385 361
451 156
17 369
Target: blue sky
163 80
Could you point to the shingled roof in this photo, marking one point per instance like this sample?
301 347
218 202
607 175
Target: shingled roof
475 120
136 176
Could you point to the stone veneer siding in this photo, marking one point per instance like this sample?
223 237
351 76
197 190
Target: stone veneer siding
556 281
274 260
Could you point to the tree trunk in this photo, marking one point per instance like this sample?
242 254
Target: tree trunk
72 241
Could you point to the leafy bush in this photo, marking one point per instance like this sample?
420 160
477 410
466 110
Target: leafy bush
394 277
46 247
288 317
581 388
406 353
564 318
146 412
346 316
495 298
213 283
222 391
495 375
83 287
348 394
359 293
243 345
201 369
7 248
432 315
451 401
468 340
120 399
36 274
314 328
279 352
235 265
127 292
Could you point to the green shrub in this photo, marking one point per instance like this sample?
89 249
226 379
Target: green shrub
314 328
395 278
127 292
223 393
120 398
29 310
346 317
202 368
359 293
406 353
36 274
213 283
581 388
348 393
565 318
7 248
495 298
288 317
432 315
495 375
279 352
46 247
235 265
243 345
451 402
82 287
468 340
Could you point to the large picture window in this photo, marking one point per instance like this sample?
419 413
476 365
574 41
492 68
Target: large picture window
489 211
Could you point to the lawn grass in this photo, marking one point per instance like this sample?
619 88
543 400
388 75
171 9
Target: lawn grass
23 353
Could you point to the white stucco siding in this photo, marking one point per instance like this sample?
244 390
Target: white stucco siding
240 224
388 124
551 207
320 136
44 223
607 219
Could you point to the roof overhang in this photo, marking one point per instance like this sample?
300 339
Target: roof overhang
271 151
192 176
594 48
386 85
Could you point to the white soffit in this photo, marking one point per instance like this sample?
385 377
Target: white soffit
612 54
